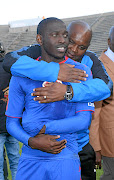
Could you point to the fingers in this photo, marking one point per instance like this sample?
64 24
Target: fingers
57 151
41 99
74 81
58 143
42 131
72 66
78 75
50 93
98 165
76 70
68 73
98 159
41 94
57 146
43 91
48 84
47 143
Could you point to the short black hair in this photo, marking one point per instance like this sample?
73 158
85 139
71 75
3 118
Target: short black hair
42 25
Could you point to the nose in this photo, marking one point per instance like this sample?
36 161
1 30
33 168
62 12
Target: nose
61 39
75 48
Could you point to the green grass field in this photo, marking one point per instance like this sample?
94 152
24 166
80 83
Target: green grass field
99 171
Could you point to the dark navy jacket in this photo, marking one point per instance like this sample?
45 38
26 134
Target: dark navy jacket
4 82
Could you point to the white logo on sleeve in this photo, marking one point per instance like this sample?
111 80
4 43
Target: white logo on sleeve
91 104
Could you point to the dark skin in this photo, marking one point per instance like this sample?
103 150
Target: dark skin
46 142
111 39
98 159
68 73
53 44
79 40
51 89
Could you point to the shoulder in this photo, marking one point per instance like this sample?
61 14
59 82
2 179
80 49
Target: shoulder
72 62
34 46
92 55
78 65
19 80
31 47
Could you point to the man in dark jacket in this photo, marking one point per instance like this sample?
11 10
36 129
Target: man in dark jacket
11 144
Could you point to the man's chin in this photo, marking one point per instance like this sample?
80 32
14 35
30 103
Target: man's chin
75 58
70 55
60 55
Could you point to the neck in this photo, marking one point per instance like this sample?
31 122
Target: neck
51 59
48 58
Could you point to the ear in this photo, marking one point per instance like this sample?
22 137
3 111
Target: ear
39 39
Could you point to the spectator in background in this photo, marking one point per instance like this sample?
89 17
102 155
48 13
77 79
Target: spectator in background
102 127
11 144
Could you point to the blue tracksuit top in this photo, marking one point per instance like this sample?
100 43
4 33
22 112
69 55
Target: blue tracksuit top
92 90
61 117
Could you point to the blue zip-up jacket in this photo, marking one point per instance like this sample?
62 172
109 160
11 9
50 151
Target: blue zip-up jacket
60 117
92 90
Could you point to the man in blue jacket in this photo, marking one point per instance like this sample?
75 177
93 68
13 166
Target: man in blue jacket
59 117
79 40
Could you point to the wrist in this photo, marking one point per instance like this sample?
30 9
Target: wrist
31 142
69 92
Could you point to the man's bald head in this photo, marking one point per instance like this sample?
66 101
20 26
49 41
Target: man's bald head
80 28
80 35
111 38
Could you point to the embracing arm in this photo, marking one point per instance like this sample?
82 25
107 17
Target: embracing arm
73 124
27 67
99 87
98 69
92 91
22 63
89 91
42 142
36 70
14 112
10 58
15 129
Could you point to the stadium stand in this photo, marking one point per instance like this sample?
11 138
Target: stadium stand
15 38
